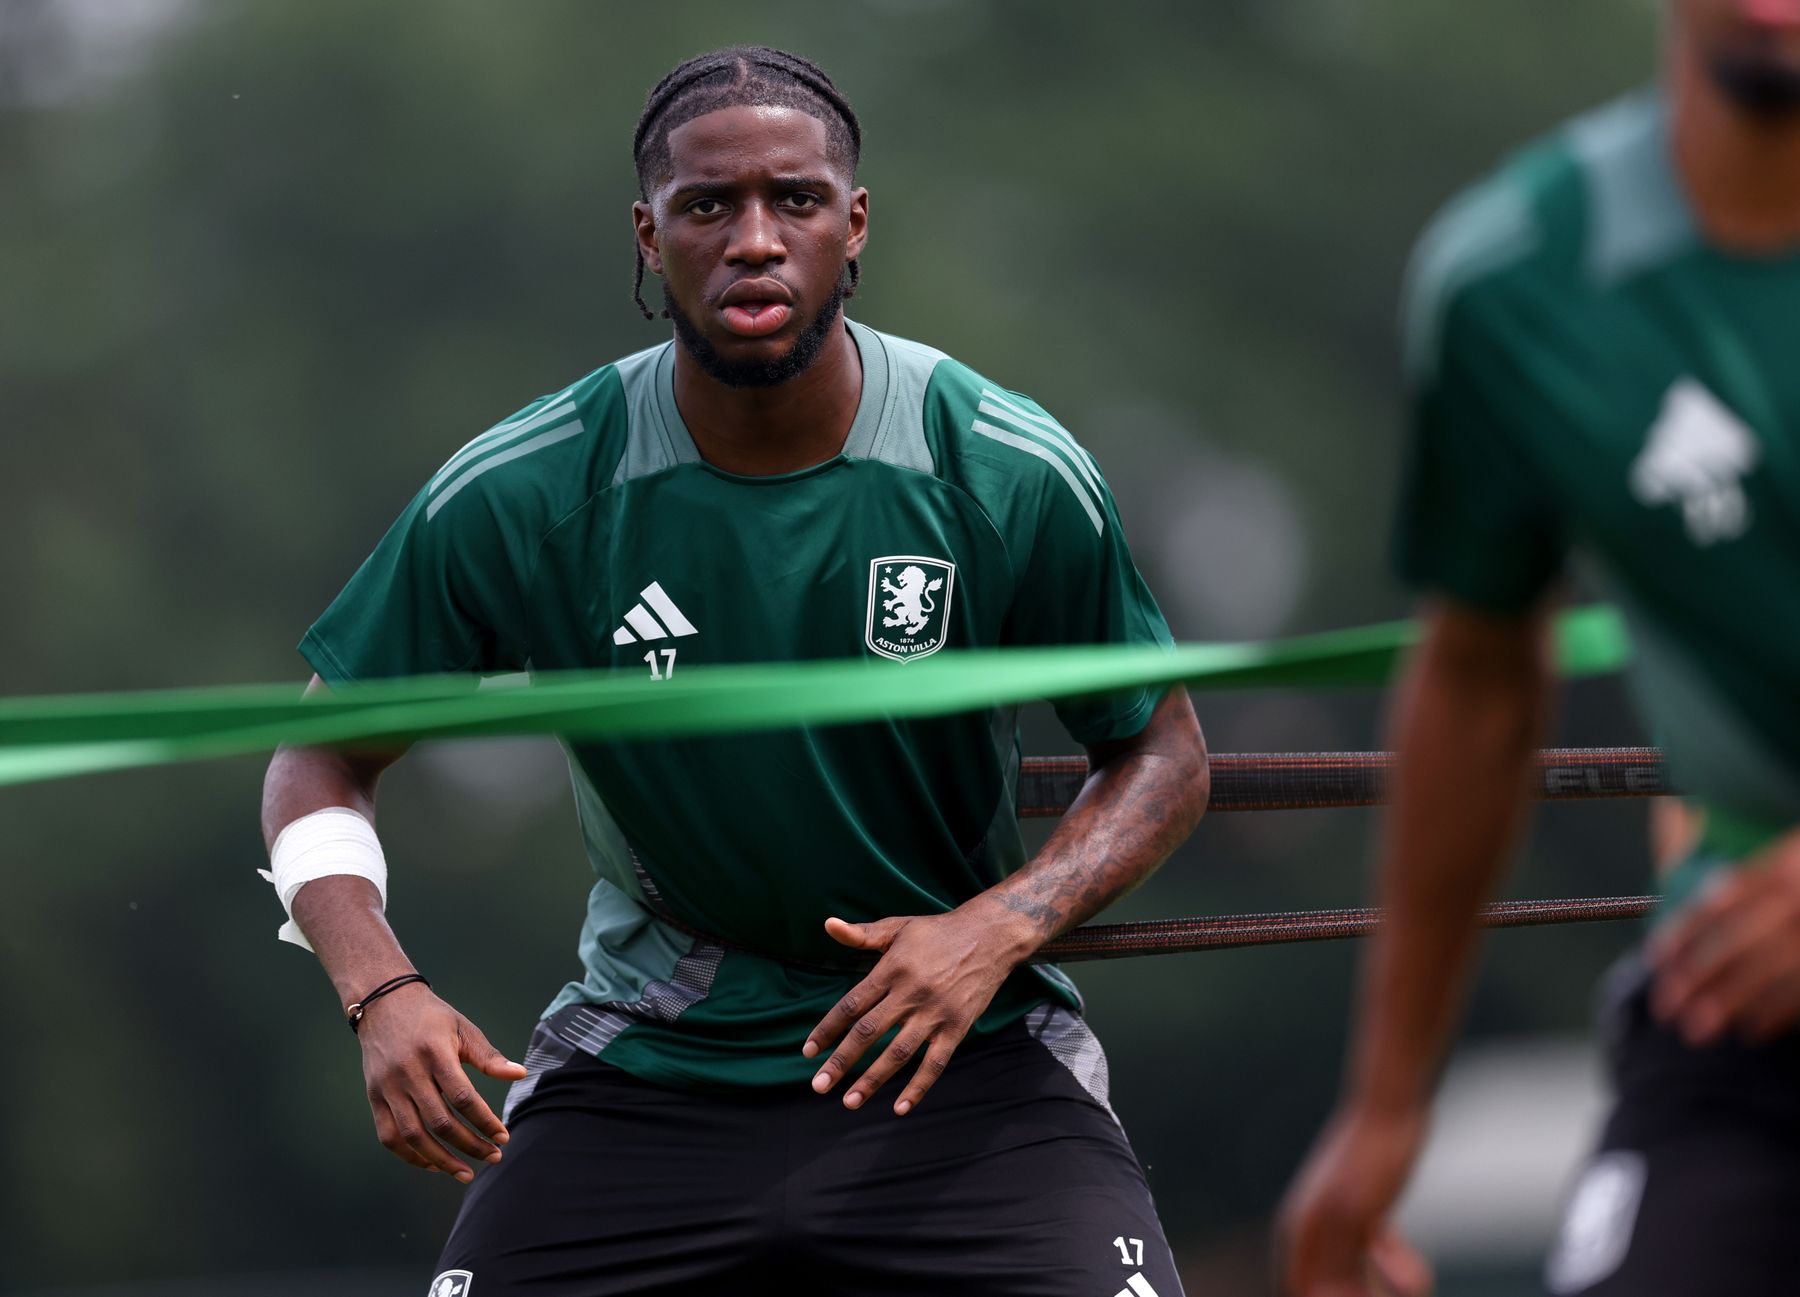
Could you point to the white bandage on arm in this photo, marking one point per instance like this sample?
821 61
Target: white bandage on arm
335 840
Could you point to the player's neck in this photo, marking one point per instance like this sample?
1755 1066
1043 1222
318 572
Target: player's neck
1741 174
760 431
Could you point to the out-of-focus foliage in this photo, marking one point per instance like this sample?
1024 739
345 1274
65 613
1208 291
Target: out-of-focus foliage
262 272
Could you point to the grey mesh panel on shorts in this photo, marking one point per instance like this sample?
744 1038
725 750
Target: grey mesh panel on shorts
591 1028
545 1053
1073 1045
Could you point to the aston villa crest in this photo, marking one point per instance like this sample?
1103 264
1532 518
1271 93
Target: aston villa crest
909 605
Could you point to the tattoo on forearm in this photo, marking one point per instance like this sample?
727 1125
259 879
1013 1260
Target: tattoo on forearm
1043 913
1124 825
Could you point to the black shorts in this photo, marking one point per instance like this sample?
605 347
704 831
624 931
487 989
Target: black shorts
1695 1188
1010 1178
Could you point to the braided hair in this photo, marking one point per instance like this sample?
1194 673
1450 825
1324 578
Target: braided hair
738 77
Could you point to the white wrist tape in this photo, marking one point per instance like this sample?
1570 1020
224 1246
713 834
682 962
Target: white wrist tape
335 840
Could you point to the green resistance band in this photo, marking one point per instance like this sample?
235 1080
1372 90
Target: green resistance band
56 737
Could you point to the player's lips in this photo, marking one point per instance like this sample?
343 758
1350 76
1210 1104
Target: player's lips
755 308
1771 13
756 319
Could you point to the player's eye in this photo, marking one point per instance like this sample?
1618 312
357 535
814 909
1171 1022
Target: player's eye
705 207
803 201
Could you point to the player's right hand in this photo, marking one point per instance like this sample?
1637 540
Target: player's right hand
414 1049
1730 960
1333 1238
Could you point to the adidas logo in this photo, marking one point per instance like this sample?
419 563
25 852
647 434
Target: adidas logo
1696 455
641 622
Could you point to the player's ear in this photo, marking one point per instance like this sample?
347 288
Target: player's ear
643 221
859 223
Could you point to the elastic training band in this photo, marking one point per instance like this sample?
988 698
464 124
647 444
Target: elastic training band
48 738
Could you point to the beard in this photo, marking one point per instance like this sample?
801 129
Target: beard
1757 84
796 360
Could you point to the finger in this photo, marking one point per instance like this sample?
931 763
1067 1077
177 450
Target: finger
1706 1015
1399 1265
1717 972
1703 953
878 935
459 1120
1744 990
858 1000
410 1130
930 1068
1689 933
475 1049
1774 1012
478 1052
865 1031
454 1084
386 1131
900 1051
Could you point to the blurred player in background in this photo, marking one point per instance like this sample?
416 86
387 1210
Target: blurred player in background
775 483
1603 350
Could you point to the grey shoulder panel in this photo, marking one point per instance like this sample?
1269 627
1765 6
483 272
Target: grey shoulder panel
1637 215
890 425
1480 232
650 444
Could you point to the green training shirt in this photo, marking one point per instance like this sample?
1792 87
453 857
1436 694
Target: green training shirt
586 531
1588 374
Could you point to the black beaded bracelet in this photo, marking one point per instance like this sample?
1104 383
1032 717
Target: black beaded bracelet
353 1014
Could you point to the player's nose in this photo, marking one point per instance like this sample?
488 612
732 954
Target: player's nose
755 237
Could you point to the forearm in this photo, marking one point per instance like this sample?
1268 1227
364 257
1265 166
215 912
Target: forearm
341 915
342 918
1140 802
1469 715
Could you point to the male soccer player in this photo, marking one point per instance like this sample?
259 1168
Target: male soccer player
1602 342
782 916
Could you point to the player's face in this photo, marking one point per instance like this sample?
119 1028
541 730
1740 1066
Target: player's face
750 231
1750 48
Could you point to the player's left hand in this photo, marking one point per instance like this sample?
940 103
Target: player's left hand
936 976
1731 962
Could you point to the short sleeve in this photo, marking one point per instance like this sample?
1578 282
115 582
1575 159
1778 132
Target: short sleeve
440 594
1080 586
1475 520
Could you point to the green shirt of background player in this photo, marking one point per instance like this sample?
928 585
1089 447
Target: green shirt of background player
1601 351
752 217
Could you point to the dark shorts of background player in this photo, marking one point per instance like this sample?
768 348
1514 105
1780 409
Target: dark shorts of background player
1695 1188
1010 1179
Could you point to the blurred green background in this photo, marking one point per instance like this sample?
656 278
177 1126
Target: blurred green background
263 266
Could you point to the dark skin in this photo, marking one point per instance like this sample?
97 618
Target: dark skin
754 203
1470 711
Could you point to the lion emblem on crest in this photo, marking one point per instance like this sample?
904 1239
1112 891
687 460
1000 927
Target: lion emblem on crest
911 604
